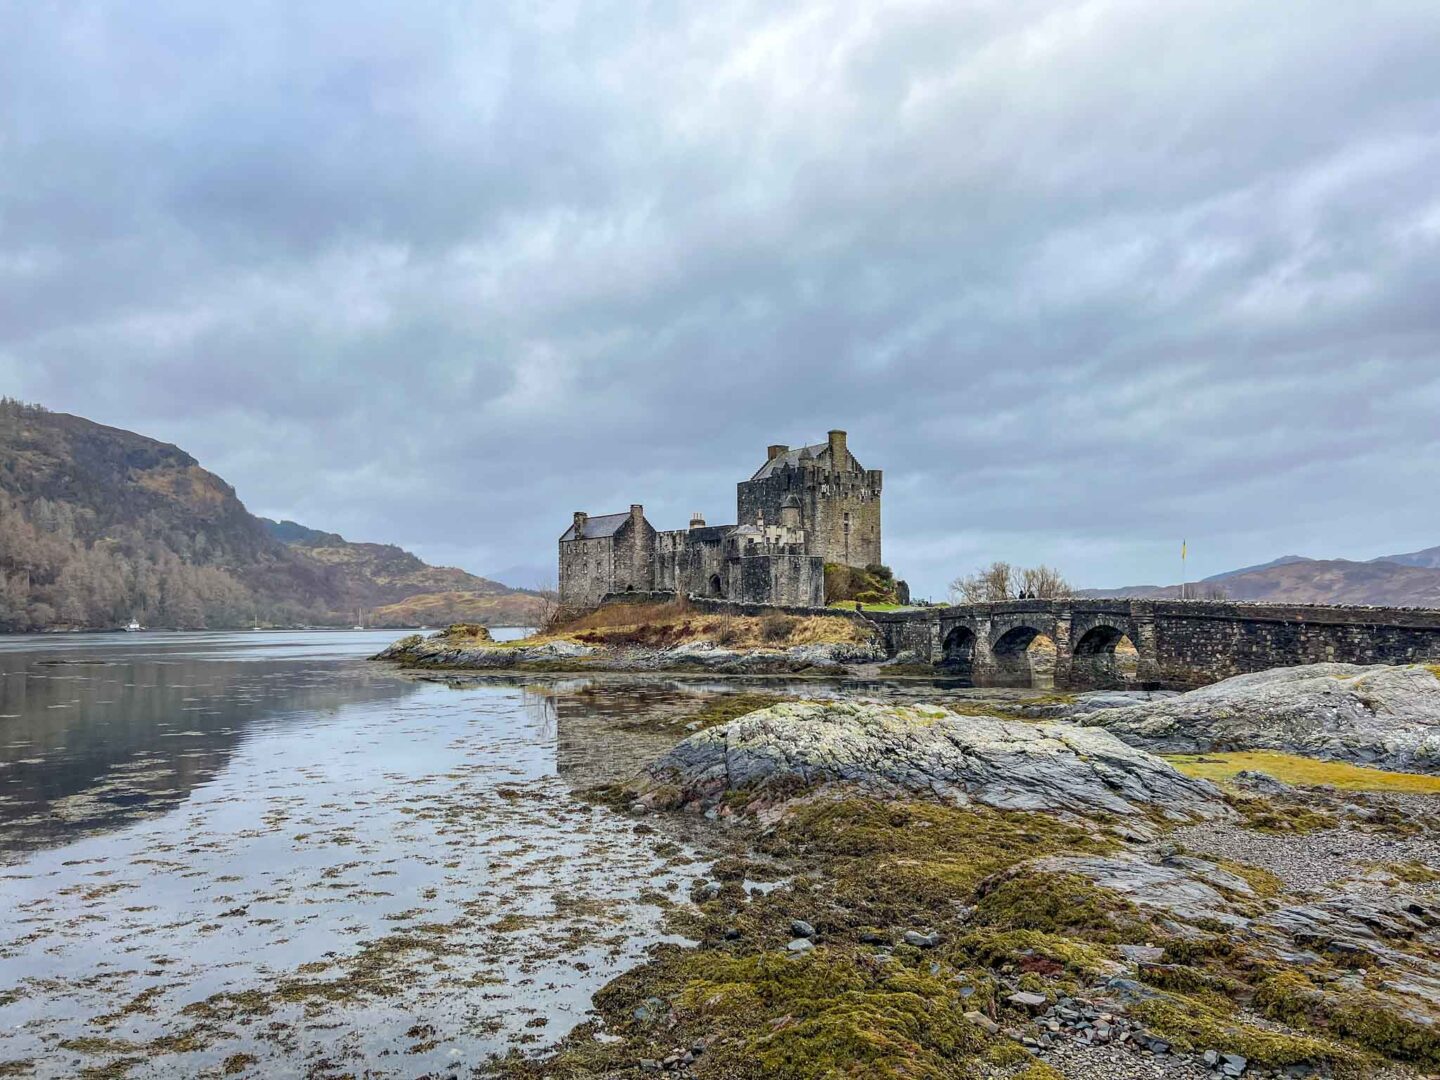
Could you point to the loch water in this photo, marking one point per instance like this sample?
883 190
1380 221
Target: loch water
261 854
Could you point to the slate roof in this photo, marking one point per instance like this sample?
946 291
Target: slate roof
790 457
597 526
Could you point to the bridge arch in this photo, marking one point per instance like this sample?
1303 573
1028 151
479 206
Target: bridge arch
1104 657
957 657
1023 656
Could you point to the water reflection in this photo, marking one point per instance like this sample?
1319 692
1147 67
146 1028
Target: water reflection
284 861
96 730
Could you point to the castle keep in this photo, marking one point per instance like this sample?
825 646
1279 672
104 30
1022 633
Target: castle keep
802 509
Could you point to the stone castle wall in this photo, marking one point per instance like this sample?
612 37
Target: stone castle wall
775 554
785 580
587 571
691 561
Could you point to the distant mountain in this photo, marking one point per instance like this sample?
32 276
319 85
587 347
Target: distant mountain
1284 560
1428 558
99 525
1293 579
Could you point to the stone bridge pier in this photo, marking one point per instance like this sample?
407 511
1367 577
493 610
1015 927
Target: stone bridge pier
1112 644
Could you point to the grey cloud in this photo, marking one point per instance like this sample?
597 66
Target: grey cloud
1084 279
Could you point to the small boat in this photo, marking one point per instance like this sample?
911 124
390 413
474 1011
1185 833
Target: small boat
132 626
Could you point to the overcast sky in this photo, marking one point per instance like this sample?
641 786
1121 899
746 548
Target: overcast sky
1084 279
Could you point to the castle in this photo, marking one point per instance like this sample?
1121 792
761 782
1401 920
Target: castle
802 509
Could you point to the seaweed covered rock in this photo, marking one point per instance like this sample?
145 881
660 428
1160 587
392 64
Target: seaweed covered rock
1383 716
1001 763
828 657
443 651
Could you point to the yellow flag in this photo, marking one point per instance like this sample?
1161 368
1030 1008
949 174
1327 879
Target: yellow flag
1182 549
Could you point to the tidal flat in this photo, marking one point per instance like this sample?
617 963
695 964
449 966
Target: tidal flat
235 855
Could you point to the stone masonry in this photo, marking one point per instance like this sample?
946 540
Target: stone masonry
801 509
1178 644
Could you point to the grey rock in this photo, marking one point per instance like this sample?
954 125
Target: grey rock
800 945
1152 1043
1367 715
921 941
440 652
1261 783
801 929
1148 954
1173 889
980 1020
1027 1000
1002 763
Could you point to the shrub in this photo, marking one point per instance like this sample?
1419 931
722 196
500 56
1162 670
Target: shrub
872 585
467 630
727 633
777 627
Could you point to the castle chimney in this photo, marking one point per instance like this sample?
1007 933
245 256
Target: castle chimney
772 452
697 520
580 518
637 513
837 449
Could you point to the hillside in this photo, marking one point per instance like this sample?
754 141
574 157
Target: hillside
395 588
99 525
1293 579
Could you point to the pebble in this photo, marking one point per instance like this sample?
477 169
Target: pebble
1314 862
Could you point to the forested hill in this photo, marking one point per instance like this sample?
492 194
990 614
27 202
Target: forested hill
396 588
100 525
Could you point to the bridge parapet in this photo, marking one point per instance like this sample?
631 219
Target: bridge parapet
1177 644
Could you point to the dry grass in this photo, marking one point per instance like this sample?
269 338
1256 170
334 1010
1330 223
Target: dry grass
1301 771
674 623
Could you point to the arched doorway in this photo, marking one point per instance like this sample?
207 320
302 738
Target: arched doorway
1025 657
716 588
1105 659
958 661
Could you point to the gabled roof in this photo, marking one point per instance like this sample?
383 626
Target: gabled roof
597 526
790 457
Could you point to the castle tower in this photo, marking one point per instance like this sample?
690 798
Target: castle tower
839 498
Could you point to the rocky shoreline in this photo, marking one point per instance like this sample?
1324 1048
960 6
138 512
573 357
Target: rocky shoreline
692 657
1384 716
963 895
999 884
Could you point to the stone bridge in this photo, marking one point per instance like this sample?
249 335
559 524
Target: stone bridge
1077 644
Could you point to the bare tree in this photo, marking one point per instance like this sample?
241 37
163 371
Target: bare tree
549 613
995 582
1001 581
1044 582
